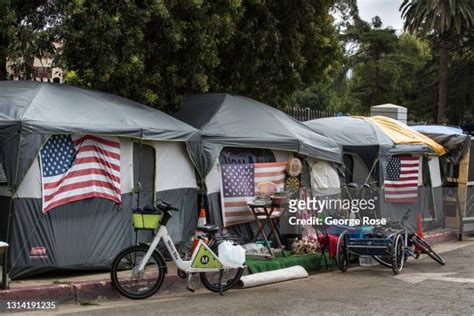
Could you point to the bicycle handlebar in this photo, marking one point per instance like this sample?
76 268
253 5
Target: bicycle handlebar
167 206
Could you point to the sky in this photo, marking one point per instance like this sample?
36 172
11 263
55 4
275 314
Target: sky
387 10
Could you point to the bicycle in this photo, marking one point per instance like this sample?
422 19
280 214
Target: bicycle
415 245
138 272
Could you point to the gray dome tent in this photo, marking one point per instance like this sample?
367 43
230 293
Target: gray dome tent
234 121
367 150
30 112
238 126
87 233
363 138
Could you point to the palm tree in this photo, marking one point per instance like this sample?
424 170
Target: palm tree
444 19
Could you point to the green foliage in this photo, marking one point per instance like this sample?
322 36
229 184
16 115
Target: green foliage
157 52
443 21
24 34
444 17
380 67
461 80
278 48
283 53
460 101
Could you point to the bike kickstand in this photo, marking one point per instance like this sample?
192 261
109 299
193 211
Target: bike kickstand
221 291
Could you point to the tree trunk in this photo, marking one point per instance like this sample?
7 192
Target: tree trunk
3 58
3 68
443 82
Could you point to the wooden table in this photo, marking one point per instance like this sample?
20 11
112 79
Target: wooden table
264 216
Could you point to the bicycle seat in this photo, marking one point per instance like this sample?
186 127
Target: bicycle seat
209 228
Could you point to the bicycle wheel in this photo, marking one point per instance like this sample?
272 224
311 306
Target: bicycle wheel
398 253
384 260
230 277
342 251
137 285
427 249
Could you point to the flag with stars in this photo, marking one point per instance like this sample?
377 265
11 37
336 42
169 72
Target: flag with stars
80 167
238 187
401 179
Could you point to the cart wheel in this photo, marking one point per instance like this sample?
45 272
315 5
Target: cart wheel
342 254
386 261
398 253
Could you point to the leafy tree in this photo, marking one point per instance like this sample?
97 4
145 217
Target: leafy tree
279 47
380 67
446 19
373 60
24 34
461 80
157 52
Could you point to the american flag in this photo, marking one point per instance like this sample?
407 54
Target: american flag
80 167
401 179
238 187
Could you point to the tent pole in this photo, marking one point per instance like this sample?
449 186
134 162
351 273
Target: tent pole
139 168
13 191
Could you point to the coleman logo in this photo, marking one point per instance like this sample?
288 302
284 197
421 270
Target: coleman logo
204 260
38 253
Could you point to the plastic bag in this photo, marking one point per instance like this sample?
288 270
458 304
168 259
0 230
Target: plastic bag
255 249
231 255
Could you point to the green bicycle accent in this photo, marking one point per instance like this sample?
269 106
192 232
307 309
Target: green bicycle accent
205 259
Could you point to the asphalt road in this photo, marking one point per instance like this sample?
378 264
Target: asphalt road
423 287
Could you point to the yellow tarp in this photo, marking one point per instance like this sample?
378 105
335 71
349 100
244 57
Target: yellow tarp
402 134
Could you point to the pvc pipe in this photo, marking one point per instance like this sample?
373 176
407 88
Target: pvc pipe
262 278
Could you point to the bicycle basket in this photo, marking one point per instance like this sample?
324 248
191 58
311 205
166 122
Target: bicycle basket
147 218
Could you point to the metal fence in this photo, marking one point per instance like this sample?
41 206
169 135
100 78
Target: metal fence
307 114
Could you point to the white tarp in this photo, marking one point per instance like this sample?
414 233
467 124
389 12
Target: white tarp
324 178
174 169
435 172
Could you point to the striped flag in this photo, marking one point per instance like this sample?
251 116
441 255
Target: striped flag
80 167
401 179
238 187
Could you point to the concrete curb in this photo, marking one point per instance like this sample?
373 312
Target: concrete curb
442 237
79 292
62 293
86 291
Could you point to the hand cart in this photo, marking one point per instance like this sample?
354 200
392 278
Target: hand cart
357 242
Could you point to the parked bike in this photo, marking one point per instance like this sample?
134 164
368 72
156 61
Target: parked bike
415 245
138 272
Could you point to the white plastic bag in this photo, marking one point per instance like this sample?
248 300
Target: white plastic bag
231 255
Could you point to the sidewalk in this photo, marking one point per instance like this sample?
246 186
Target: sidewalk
77 287
82 288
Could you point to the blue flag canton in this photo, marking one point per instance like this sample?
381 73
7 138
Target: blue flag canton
393 169
238 180
57 155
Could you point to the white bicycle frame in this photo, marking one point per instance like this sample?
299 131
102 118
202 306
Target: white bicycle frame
184 265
